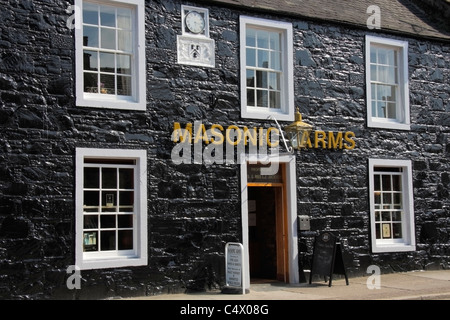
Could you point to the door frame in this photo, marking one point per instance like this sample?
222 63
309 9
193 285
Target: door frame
291 210
280 218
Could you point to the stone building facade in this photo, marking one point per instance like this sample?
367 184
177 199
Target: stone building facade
60 141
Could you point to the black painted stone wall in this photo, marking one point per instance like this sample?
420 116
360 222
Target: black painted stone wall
193 210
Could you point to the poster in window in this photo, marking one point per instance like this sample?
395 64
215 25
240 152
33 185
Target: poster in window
386 230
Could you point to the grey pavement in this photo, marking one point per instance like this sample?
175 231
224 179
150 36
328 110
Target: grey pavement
415 285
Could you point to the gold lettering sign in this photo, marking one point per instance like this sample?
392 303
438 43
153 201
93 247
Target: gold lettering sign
233 135
257 136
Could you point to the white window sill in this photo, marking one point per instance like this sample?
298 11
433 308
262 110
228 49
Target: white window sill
116 262
111 103
393 248
266 114
386 124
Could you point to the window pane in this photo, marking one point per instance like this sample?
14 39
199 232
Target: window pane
91 177
381 110
386 183
373 55
251 78
126 198
108 38
251 98
398 199
123 64
396 216
109 201
386 94
108 240
386 216
125 239
274 41
391 58
387 74
382 75
382 56
387 200
374 109
392 95
124 18
107 63
378 231
91 198
126 178
90 82
250 38
125 41
373 89
275 60
263 39
107 16
125 221
391 111
90 241
383 92
107 221
275 100
90 222
107 84
90 36
90 13
90 61
376 181
251 57
263 59
397 230
261 79
109 178
393 75
124 86
373 73
274 81
262 98
396 183
377 198
377 216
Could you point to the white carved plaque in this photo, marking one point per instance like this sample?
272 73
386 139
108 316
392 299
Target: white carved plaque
196 51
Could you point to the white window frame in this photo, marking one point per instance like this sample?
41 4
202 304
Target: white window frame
118 258
402 122
138 99
408 241
287 82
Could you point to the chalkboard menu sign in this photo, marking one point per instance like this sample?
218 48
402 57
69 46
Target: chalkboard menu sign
327 257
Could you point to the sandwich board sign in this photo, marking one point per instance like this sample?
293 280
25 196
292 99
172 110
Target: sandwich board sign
234 262
327 257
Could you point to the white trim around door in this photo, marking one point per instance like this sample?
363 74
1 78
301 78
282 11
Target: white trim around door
290 181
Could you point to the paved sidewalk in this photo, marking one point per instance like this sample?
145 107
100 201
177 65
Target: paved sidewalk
416 285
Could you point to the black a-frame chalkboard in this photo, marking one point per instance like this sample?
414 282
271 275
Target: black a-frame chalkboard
327 257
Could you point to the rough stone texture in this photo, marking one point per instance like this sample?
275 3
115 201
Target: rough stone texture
193 210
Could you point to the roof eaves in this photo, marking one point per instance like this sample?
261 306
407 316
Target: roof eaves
402 17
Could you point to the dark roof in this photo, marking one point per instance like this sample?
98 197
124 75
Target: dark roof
422 18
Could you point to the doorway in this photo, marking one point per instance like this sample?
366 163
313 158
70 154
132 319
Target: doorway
281 188
267 230
267 222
